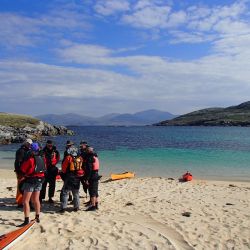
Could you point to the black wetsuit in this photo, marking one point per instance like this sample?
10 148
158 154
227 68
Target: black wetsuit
91 175
52 171
83 154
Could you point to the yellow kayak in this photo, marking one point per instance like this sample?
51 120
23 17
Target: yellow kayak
122 176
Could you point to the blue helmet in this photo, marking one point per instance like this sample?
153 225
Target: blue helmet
35 147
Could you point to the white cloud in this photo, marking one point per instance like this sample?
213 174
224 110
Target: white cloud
203 81
229 27
204 19
17 30
230 55
85 53
233 11
194 24
141 4
152 80
109 7
149 17
151 14
196 12
20 30
160 81
64 19
219 25
186 37
98 55
177 18
44 80
233 45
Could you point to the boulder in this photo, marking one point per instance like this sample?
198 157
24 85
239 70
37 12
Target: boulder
18 135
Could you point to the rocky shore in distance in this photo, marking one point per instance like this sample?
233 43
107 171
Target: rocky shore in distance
231 116
11 134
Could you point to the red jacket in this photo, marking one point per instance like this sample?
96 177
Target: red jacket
28 168
55 159
52 156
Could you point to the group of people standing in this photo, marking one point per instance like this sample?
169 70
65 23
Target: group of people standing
36 167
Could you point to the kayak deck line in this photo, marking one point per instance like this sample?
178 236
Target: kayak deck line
9 239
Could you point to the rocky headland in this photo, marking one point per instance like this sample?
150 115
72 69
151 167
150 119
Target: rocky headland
16 128
231 116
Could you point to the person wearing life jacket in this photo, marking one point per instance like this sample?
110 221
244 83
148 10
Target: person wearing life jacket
73 172
52 157
33 171
83 150
69 144
21 156
92 177
83 153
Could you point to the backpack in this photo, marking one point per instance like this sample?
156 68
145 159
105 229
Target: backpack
76 164
40 164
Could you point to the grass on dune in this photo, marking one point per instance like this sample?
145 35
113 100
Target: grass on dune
17 121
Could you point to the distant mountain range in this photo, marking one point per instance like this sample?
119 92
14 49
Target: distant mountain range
231 116
146 117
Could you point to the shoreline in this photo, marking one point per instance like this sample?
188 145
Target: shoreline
8 173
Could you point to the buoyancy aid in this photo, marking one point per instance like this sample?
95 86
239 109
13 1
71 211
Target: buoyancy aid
76 163
73 164
96 164
33 167
52 156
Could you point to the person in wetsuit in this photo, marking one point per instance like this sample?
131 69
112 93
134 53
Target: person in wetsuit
92 177
73 172
21 155
33 170
52 157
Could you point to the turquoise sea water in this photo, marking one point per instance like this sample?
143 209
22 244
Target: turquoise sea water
208 152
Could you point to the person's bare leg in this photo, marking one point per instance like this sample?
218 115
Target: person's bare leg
26 205
36 202
26 208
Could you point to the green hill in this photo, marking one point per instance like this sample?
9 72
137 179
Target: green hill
18 121
15 128
232 116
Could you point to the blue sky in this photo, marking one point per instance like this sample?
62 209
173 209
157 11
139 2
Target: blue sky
94 57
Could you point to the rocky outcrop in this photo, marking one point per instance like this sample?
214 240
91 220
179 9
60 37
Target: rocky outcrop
10 134
231 116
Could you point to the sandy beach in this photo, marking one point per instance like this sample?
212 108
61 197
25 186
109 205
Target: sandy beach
139 213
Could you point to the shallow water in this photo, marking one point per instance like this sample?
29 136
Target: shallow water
208 152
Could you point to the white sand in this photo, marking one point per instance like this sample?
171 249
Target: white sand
154 220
